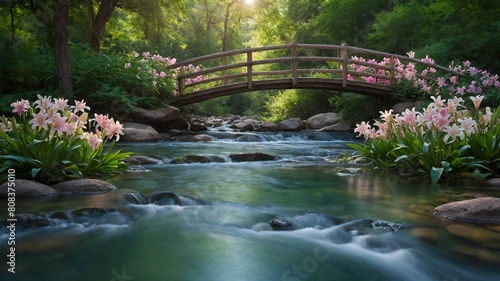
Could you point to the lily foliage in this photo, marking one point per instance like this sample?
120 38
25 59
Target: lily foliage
450 136
51 141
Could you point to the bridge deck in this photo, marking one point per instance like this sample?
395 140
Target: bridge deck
275 84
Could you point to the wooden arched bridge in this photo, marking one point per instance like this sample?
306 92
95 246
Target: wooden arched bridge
289 66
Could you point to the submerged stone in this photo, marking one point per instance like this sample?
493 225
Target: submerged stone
28 220
141 160
281 225
164 198
170 198
135 198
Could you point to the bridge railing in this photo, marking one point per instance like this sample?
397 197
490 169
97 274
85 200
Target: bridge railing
293 63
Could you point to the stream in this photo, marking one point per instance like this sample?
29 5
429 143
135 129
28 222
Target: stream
343 221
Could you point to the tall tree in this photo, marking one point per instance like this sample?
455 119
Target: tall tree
61 19
99 21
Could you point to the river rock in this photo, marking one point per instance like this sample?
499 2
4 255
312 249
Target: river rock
170 198
267 127
281 225
141 160
158 118
177 124
245 157
323 119
424 233
28 188
484 210
474 233
191 159
200 138
93 215
402 106
29 220
135 198
494 182
198 128
243 126
482 254
84 186
135 132
292 124
339 127
165 198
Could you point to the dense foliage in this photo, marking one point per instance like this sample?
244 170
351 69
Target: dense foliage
447 30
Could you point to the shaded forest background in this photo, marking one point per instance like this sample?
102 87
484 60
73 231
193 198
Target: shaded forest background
101 35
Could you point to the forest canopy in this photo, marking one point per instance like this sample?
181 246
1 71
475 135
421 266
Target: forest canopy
101 34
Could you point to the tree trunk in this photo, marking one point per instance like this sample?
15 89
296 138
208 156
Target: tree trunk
61 18
103 15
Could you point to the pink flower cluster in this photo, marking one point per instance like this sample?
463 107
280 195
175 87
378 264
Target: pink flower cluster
426 79
59 119
163 62
444 117
188 69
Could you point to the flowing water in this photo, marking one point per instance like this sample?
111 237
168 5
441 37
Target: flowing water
349 222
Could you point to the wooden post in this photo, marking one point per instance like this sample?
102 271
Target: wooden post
344 64
249 70
392 82
294 63
180 81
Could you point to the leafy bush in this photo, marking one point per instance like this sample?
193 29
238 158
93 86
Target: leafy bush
116 83
50 141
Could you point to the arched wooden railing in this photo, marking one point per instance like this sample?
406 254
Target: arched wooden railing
255 69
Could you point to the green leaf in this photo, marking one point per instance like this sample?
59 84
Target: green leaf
34 172
436 174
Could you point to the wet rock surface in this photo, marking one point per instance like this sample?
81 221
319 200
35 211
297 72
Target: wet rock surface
483 210
245 157
281 225
28 220
84 186
142 160
322 120
136 132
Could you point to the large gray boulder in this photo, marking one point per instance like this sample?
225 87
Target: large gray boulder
323 119
292 124
27 188
135 132
243 126
268 127
157 116
178 124
484 210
